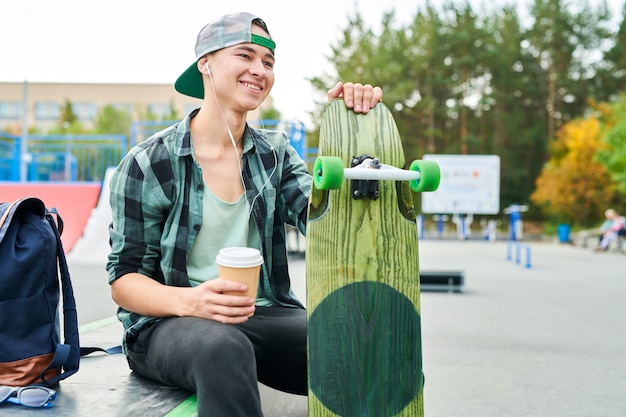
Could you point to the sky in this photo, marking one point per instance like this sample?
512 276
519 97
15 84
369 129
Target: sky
152 41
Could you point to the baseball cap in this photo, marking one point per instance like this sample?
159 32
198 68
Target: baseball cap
226 31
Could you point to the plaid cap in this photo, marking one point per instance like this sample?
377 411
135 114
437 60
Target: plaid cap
226 31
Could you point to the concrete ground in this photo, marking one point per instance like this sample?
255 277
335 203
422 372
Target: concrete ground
545 340
541 341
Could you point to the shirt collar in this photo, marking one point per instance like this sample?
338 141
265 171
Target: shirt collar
183 135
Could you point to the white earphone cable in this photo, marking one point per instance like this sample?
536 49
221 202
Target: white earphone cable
230 133
232 139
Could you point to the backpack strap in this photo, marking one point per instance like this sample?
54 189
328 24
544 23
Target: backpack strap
88 350
67 355
7 215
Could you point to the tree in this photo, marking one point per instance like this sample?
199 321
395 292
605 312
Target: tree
613 155
458 81
68 121
270 114
359 56
611 78
560 38
113 120
423 107
511 109
350 56
574 186
145 113
463 43
67 113
173 114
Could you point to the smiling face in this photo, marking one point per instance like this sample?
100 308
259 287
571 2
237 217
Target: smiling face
242 75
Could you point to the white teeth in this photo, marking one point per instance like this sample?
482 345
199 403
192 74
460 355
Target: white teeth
254 87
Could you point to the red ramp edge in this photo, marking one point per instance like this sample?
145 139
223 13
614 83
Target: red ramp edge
73 201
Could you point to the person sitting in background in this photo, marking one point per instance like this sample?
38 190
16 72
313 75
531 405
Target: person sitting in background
605 226
612 228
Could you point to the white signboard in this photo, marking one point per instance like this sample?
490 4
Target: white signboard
469 184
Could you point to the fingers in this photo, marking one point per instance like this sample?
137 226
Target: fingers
353 96
335 92
224 301
231 314
224 285
231 308
377 96
358 97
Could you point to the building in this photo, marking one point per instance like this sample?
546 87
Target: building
40 156
45 101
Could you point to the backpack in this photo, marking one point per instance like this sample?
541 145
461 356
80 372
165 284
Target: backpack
31 262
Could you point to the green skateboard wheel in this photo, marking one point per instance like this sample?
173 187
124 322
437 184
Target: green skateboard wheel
328 173
429 178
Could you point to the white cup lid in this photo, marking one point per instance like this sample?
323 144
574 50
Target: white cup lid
239 257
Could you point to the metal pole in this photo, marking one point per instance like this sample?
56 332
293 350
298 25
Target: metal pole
24 138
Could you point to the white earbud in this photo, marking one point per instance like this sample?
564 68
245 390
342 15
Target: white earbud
208 70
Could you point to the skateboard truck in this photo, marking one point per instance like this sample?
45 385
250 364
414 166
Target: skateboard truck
365 188
366 171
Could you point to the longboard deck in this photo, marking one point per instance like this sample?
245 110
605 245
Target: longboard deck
362 269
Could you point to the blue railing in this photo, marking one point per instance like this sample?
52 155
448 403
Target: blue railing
59 157
141 130
86 157
9 157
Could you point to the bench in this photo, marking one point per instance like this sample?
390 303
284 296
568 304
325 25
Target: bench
446 281
105 386
620 244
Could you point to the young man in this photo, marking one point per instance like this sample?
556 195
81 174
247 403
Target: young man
208 182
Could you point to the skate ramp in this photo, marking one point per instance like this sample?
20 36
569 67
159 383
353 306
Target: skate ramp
73 201
93 246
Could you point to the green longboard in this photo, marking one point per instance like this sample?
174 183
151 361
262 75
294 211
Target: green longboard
362 272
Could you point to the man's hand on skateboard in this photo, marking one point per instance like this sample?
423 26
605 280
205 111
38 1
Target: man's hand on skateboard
358 97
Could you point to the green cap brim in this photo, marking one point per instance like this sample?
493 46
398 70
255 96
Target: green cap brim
190 82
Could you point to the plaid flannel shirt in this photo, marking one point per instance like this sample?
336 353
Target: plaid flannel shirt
156 200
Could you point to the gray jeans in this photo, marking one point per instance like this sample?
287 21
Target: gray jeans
221 363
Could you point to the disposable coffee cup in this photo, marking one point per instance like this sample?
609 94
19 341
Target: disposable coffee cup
240 264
